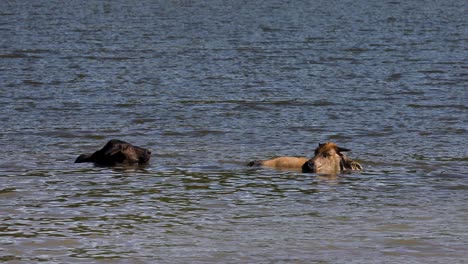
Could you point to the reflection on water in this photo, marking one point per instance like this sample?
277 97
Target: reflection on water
208 87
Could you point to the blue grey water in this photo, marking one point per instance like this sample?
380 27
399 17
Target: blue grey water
210 85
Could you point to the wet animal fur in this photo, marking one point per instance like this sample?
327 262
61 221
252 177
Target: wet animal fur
117 152
281 162
328 159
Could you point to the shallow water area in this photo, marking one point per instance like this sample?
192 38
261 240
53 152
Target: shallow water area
208 86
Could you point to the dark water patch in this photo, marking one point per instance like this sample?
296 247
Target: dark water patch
438 106
411 92
394 77
25 54
270 29
33 82
7 258
457 187
296 102
7 192
433 71
15 56
457 131
152 81
201 102
35 51
141 121
320 40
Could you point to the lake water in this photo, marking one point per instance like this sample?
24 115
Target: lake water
210 85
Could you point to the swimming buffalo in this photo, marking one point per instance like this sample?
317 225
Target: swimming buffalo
117 152
328 159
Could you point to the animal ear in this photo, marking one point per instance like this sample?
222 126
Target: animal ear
317 149
342 149
114 150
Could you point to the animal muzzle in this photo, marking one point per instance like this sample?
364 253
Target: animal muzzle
308 167
145 157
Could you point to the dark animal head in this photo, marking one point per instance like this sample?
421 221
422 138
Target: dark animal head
329 159
117 152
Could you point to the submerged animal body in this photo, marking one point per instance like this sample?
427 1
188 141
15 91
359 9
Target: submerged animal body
281 162
117 152
328 159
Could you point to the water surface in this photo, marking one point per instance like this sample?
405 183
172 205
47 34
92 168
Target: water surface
211 85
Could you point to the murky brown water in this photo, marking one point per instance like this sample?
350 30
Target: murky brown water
211 85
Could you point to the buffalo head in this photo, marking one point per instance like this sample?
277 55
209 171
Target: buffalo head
117 152
330 159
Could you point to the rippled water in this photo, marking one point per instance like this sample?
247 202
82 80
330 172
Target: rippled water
211 85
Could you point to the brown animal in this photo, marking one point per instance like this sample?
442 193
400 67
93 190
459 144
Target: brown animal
117 152
328 159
